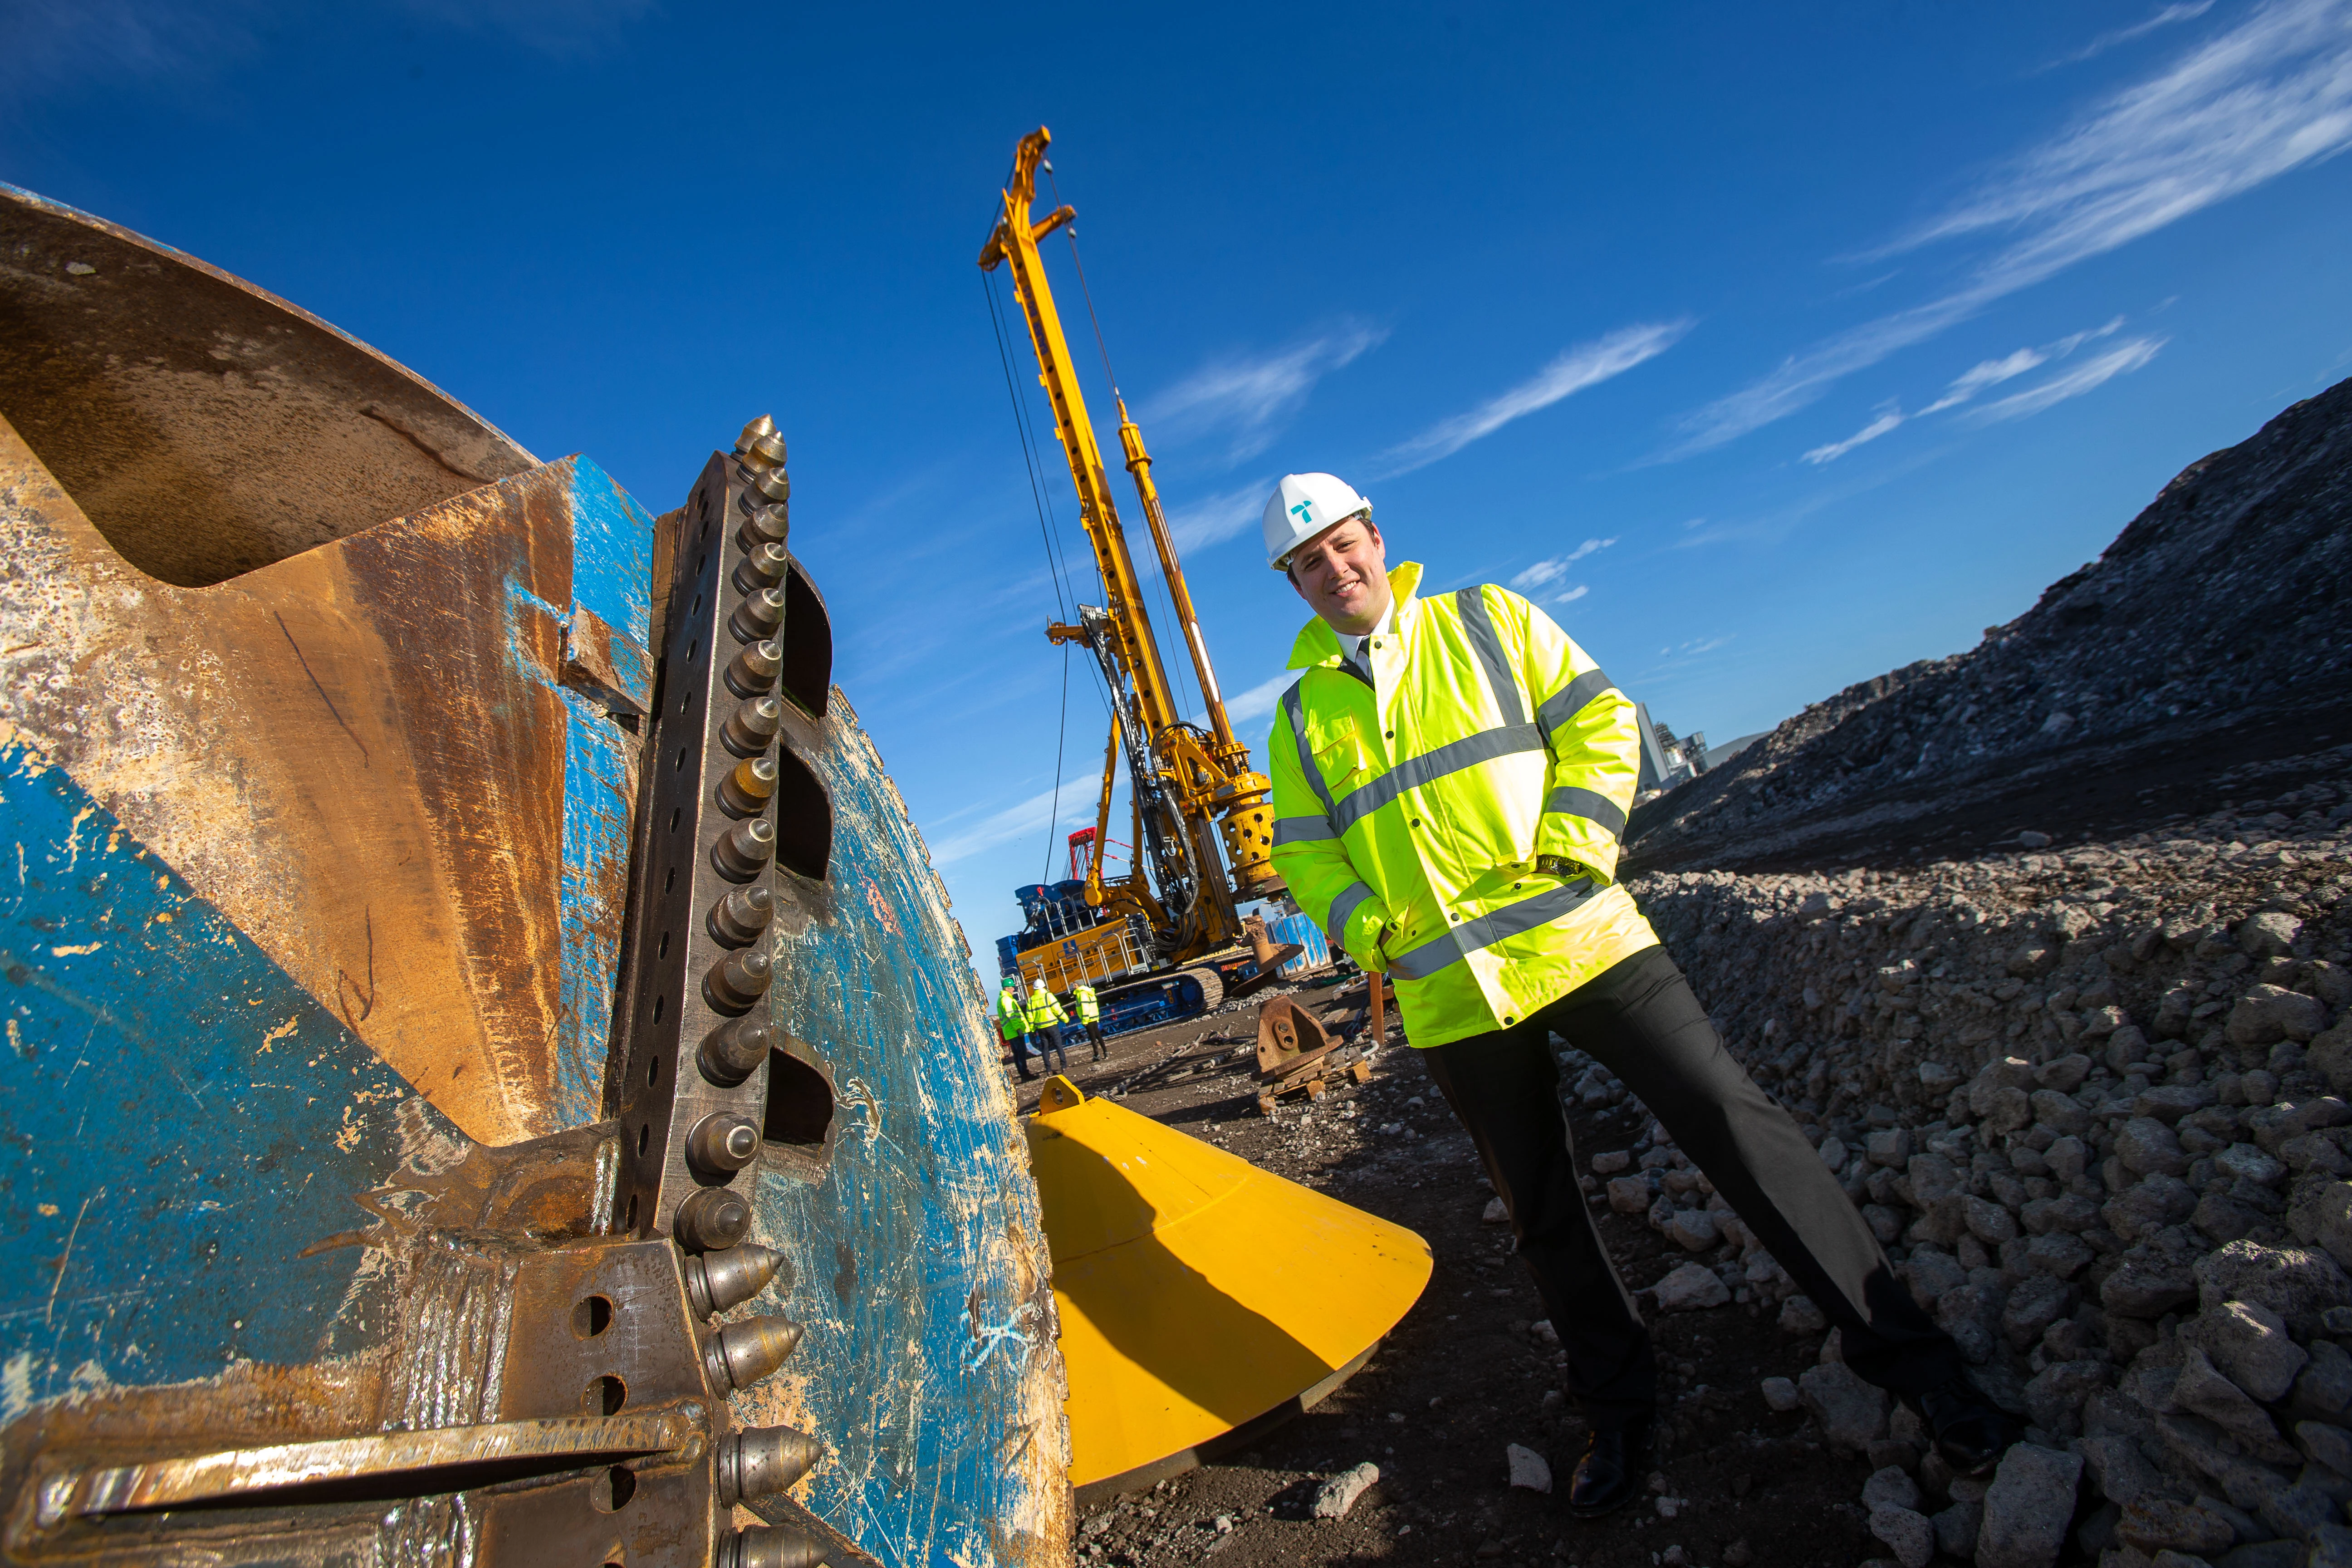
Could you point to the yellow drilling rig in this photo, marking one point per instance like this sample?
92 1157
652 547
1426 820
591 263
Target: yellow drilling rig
1169 941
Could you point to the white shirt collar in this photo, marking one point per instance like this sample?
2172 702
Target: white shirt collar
1350 646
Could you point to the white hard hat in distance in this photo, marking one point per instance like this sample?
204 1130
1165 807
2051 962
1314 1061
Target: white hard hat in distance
1303 505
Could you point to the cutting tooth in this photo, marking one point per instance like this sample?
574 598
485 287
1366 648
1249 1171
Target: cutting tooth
718 1280
761 1461
740 1354
770 1547
711 1219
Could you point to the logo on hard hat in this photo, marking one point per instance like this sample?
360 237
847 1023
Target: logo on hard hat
1304 512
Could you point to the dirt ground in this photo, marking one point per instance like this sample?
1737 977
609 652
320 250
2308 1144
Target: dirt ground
1465 1374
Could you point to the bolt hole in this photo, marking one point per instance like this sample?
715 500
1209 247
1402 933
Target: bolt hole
660 1002
629 1221
681 759
675 812
592 1315
604 1395
653 1072
611 1491
670 880
663 950
645 1138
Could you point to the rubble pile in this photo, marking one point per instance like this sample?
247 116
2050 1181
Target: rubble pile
2228 599
2095 1104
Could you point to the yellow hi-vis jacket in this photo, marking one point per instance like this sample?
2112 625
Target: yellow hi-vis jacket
1410 813
1011 1022
1044 1010
1089 1010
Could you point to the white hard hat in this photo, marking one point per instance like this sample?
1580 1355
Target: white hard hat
1303 505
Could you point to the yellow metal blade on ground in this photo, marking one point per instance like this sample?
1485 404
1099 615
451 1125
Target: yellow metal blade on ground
1197 1292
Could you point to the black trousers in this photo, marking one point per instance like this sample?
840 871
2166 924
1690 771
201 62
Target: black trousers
1640 1020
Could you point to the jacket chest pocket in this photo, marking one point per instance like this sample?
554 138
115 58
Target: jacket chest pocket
1341 756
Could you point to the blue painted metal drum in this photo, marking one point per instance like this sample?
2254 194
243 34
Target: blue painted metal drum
489 1075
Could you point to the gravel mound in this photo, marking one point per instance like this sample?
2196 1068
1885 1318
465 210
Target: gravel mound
2095 1104
2217 629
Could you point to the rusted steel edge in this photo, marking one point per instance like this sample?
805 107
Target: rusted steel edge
34 201
237 1472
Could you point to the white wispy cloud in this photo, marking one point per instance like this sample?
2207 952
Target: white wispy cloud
1077 797
1213 519
1572 596
1964 387
2106 41
1259 700
1989 372
1586 365
1551 571
1249 398
2270 95
2121 360
1879 426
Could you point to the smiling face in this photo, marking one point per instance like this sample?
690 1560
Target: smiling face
1343 573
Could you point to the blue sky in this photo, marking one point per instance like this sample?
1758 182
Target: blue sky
1770 347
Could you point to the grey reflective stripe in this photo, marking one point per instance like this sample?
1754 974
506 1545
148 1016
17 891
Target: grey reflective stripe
1303 830
1570 700
1341 907
1589 804
1295 707
1430 766
1479 622
1467 938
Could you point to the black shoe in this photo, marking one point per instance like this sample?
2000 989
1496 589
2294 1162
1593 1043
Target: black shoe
1609 1474
1970 1431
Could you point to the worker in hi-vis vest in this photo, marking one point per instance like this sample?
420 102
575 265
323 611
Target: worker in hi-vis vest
1046 1021
1451 781
1090 1017
1013 1023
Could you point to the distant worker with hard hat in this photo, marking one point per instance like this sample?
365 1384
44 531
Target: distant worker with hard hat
1090 1017
1013 1023
1046 1021
1451 782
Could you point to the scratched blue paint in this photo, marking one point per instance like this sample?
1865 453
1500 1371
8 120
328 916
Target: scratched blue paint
598 789
919 1330
178 1118
611 559
612 549
612 566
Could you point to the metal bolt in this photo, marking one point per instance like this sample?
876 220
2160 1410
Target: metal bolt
738 1355
718 1280
713 1219
722 1143
733 1051
748 788
746 850
751 727
761 1461
760 446
739 979
754 672
764 519
738 919
763 565
770 1546
758 615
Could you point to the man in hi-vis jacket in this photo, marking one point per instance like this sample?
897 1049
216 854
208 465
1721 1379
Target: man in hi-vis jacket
1451 779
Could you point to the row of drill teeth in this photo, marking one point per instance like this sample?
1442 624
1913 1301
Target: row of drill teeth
761 1461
